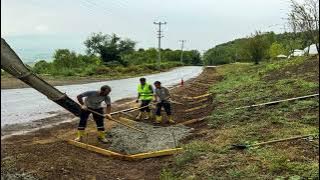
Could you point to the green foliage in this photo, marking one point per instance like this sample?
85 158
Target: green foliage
110 48
257 47
278 162
237 50
276 49
192 152
151 56
42 67
111 56
217 56
168 175
66 59
142 56
192 57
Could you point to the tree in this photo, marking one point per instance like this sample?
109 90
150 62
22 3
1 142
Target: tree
195 57
257 47
141 56
216 56
169 55
64 58
90 59
304 17
110 48
276 49
41 67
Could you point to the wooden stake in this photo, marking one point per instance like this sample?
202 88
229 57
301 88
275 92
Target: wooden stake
275 102
244 146
196 108
194 121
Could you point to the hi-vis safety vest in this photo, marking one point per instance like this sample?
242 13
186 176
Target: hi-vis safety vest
145 92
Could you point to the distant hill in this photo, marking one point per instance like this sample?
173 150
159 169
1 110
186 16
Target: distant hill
234 50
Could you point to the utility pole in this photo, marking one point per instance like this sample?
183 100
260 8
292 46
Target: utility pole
159 40
182 46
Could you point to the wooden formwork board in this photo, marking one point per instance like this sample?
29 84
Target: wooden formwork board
199 101
201 84
96 149
196 108
109 153
164 152
193 121
198 97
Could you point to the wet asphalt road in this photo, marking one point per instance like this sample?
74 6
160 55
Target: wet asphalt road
26 105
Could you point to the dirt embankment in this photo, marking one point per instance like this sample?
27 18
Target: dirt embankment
43 154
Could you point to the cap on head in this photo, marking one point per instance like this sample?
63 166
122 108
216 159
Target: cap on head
105 88
157 83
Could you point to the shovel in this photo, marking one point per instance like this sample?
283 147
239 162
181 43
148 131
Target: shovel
131 127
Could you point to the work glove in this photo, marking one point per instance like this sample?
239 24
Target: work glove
108 116
84 107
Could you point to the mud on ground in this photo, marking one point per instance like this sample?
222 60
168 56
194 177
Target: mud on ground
44 155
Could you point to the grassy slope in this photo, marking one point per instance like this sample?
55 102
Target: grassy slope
210 157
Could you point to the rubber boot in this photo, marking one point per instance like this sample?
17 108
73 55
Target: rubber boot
170 119
139 116
80 134
102 137
158 119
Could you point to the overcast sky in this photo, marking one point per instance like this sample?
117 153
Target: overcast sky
203 23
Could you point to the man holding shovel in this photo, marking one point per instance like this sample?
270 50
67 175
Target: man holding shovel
162 97
92 102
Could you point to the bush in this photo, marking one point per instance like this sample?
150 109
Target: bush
151 67
64 72
102 70
42 67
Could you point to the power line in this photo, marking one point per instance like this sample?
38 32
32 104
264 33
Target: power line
182 46
95 6
89 10
115 4
159 40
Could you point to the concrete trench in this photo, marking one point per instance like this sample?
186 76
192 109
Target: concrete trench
127 141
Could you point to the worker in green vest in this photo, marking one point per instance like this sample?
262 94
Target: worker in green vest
145 95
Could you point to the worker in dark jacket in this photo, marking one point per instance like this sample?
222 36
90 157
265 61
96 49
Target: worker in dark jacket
92 101
162 97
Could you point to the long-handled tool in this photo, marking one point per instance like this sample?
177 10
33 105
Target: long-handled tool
117 121
138 108
245 146
175 102
127 114
130 109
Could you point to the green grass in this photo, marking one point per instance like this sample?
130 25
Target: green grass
245 84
